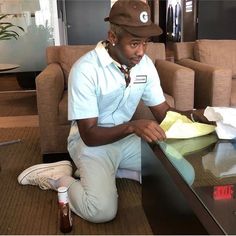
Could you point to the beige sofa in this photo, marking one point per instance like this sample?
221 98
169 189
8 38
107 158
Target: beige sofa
214 63
51 86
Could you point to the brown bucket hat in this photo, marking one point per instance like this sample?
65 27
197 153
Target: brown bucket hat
135 17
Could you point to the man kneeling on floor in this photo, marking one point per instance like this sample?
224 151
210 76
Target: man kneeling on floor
103 93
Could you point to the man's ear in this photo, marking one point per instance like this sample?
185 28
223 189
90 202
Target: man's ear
112 38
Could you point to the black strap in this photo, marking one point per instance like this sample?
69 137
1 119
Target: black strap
126 72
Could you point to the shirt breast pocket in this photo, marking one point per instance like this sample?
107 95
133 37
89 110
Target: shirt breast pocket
135 95
111 100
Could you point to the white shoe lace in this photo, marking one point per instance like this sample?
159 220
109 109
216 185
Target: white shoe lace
42 181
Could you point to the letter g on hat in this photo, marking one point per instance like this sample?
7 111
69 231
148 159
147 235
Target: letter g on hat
144 17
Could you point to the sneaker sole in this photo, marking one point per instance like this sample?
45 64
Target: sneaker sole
41 166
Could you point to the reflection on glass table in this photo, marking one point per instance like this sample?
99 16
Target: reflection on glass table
221 162
177 149
208 166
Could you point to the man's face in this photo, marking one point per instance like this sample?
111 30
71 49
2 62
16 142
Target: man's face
130 49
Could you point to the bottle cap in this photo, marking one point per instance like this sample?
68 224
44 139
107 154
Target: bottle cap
62 195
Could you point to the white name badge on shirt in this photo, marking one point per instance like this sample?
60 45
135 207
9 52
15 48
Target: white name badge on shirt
140 79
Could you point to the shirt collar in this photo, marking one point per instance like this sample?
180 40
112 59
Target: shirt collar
104 56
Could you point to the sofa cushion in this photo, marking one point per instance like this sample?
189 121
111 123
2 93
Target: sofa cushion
183 50
69 55
220 53
63 110
156 51
143 112
233 93
170 100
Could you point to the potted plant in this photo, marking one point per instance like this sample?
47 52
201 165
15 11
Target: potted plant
6 32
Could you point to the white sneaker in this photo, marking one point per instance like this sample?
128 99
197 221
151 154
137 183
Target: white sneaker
41 174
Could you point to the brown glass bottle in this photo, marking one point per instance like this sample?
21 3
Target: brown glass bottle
65 218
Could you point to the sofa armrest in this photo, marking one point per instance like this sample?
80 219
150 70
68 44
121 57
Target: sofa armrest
212 84
50 87
50 90
178 82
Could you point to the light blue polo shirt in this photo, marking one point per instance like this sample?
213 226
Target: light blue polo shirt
97 88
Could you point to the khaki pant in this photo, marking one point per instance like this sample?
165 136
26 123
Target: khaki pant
94 197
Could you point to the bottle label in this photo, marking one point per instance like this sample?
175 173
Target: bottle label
62 195
62 198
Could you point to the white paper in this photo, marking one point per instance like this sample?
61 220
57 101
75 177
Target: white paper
225 118
177 126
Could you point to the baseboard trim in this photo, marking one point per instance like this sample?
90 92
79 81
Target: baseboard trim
54 157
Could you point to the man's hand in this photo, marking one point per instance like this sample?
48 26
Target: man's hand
197 115
149 130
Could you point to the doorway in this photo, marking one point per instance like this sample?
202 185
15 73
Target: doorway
85 21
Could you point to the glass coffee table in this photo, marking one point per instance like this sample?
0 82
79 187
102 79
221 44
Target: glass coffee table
189 186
